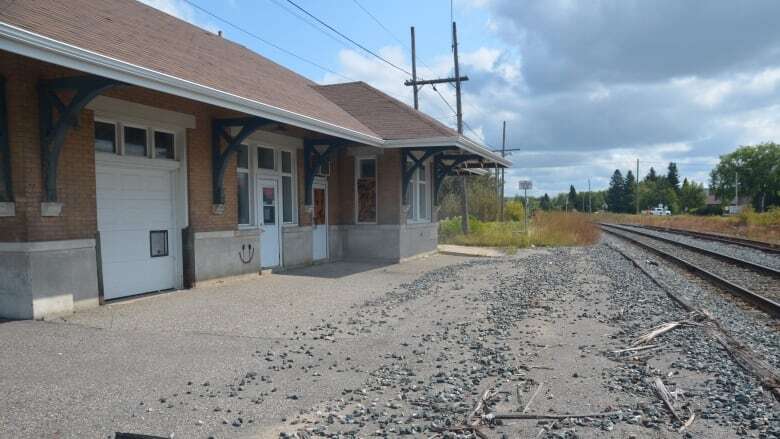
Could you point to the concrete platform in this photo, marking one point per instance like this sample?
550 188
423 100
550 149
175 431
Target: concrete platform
469 251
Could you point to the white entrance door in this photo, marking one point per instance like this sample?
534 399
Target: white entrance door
138 237
320 230
269 222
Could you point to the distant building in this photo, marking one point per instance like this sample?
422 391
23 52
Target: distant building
733 207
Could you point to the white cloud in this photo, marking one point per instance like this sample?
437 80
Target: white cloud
182 10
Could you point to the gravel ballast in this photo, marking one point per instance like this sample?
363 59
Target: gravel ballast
387 351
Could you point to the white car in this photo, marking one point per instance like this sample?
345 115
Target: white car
660 211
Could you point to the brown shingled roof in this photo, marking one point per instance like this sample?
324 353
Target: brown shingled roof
141 35
384 114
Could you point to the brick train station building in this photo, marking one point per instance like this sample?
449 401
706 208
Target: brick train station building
139 153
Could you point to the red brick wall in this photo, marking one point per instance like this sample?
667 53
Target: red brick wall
389 184
345 190
76 181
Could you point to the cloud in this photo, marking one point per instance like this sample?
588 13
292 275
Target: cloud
183 11
567 43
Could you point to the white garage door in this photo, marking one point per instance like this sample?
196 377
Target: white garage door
138 237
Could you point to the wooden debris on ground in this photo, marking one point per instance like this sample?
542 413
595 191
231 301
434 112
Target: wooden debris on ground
554 416
665 396
655 332
637 348
530 400
688 422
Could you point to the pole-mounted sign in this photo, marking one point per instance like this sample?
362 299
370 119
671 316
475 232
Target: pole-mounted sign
525 185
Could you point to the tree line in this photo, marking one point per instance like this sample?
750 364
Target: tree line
756 168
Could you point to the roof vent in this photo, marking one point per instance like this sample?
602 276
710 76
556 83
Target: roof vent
219 33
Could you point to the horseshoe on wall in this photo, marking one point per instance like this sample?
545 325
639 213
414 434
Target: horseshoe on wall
247 253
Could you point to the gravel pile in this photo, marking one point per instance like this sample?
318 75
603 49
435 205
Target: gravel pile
729 395
457 331
432 390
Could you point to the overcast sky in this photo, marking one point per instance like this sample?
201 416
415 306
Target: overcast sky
585 86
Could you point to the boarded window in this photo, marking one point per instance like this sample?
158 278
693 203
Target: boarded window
366 191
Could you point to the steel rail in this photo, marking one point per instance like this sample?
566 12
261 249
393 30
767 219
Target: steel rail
765 304
749 243
760 268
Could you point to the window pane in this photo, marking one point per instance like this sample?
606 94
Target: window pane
163 145
410 199
423 201
287 199
105 137
243 157
286 162
158 243
243 198
135 141
268 196
367 168
269 215
265 158
366 189
422 173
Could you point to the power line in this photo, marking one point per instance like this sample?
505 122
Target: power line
367 50
377 21
301 17
263 40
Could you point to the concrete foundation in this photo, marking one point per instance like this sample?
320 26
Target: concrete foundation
383 242
296 246
227 253
416 239
337 235
43 279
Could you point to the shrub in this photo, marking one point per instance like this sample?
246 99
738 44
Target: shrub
545 229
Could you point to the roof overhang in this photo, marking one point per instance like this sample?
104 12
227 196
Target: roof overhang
23 42
460 142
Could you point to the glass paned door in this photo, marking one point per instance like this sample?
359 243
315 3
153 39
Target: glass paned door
270 238
320 229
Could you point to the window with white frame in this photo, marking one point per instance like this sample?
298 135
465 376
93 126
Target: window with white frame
129 139
418 192
366 189
271 162
242 175
286 161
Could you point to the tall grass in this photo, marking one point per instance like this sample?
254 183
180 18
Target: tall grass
545 229
748 224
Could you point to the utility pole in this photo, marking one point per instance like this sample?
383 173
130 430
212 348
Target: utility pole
503 153
414 72
636 191
590 206
736 191
459 113
417 84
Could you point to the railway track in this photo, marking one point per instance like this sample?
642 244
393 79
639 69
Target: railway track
755 283
742 242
